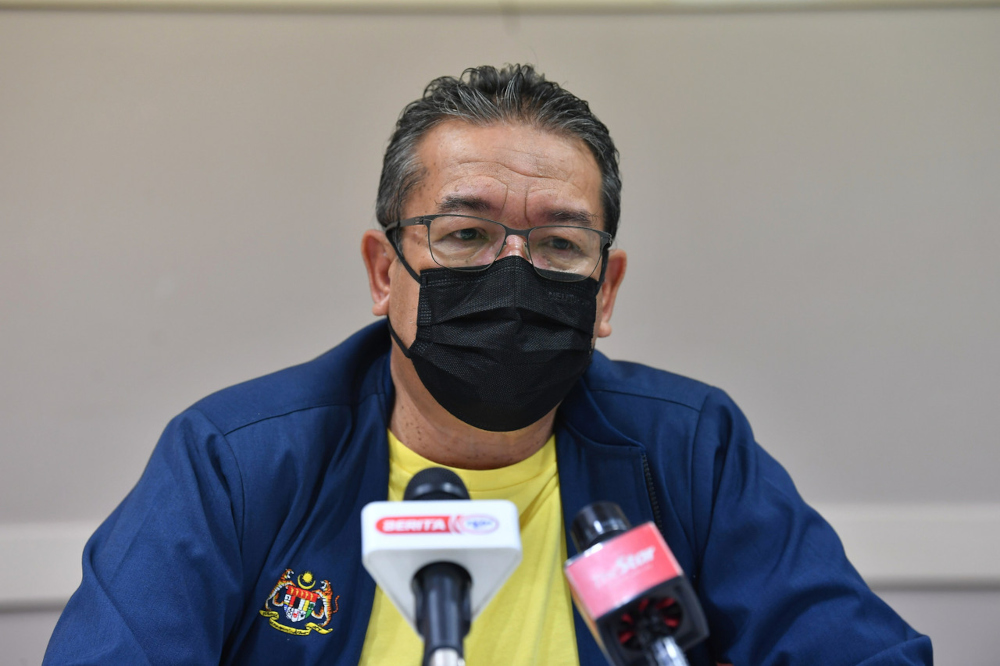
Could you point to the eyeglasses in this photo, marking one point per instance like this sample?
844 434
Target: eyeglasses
464 243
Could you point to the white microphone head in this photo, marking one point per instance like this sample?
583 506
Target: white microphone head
400 538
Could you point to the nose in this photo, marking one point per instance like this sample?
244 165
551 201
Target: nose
515 245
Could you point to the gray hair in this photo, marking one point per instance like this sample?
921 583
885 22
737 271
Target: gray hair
485 96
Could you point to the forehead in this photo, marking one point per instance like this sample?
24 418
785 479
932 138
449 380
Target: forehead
509 170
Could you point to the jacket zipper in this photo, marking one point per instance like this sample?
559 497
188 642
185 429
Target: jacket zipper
654 503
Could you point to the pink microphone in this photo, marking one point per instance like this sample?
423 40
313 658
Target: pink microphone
630 590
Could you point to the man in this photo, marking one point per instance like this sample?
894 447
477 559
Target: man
495 275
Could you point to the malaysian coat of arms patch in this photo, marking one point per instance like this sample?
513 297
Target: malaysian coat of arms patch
299 601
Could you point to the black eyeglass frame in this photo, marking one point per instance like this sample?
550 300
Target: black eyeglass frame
425 221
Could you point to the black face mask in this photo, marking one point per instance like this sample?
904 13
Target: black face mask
500 348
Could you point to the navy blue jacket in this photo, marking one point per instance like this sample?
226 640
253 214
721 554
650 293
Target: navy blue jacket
271 475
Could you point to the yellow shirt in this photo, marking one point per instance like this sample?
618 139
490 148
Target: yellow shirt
530 621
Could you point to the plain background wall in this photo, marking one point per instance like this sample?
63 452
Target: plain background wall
811 210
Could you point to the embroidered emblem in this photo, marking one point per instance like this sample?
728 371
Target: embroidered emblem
300 601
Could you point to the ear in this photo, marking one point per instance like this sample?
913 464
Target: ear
613 276
378 254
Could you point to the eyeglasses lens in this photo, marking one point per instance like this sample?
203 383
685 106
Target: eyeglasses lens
464 242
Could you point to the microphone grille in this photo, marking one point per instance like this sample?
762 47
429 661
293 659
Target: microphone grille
435 483
597 522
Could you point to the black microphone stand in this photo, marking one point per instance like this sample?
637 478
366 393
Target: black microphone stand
443 608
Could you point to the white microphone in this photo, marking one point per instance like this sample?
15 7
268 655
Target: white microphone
440 557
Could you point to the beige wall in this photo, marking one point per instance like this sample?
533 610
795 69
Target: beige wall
810 207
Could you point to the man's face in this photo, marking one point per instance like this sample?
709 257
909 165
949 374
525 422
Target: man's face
514 174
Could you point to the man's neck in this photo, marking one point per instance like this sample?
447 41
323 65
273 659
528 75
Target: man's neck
429 430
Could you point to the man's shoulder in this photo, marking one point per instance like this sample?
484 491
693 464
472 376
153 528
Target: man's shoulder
342 376
644 383
648 405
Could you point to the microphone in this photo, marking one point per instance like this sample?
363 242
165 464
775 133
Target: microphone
631 591
440 557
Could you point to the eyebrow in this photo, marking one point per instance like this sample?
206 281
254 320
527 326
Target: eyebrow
572 215
456 203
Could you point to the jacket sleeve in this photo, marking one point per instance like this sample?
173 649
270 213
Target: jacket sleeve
776 585
162 575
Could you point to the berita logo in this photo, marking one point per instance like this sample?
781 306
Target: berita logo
623 565
413 524
474 524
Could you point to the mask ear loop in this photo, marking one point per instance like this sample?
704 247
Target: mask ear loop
394 241
392 334
393 236
600 281
604 263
